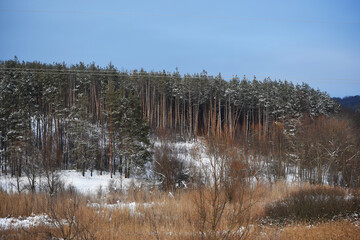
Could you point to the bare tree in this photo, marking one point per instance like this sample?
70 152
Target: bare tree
32 168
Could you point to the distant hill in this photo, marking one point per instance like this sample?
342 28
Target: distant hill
351 102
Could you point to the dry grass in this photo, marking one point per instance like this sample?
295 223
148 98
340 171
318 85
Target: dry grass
316 203
323 231
265 194
165 216
332 230
21 204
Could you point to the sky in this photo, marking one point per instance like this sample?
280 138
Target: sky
312 41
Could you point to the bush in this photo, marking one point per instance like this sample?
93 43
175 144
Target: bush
169 168
314 203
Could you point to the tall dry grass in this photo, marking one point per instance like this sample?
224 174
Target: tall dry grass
158 215
21 204
336 230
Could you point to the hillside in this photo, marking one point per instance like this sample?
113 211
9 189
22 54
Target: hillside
350 102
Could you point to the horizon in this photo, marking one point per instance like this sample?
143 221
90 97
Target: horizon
317 43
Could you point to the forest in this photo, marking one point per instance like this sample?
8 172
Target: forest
87 117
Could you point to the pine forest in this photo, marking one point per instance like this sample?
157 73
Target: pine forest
89 117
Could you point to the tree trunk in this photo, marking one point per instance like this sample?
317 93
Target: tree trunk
110 126
190 115
219 119
197 116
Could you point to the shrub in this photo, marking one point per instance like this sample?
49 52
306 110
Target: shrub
169 168
314 203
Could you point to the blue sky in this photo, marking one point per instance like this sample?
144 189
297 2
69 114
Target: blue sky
313 41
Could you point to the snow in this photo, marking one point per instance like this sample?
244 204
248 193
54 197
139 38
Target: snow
131 206
192 153
87 185
92 184
25 222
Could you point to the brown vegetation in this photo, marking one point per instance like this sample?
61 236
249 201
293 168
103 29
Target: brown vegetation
316 203
161 216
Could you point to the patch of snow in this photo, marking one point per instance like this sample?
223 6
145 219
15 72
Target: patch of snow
91 184
131 206
25 222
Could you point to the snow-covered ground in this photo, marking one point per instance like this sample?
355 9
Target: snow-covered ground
92 184
87 185
25 222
